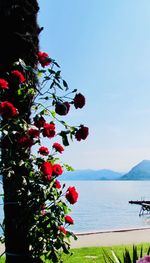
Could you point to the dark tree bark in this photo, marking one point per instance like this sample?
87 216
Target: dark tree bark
19 39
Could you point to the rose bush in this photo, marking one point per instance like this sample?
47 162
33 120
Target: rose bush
46 202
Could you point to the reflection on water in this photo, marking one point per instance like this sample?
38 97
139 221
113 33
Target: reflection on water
103 205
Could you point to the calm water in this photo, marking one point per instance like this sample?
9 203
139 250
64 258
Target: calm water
104 205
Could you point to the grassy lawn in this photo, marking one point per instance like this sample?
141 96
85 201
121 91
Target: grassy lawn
95 254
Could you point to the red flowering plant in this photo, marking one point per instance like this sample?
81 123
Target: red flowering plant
48 201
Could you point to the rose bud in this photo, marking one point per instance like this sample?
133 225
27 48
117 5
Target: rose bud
43 151
79 101
62 108
69 220
82 133
58 147
72 195
44 59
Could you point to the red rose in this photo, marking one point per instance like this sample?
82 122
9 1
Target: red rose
62 229
7 110
49 130
47 170
34 133
25 142
44 59
79 101
43 150
72 195
69 220
82 133
57 184
3 84
18 76
58 147
62 108
39 121
57 169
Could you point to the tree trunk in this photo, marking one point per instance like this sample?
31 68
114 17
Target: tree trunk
19 39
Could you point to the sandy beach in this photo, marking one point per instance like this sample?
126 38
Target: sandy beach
110 238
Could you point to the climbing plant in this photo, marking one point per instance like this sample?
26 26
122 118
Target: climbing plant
46 203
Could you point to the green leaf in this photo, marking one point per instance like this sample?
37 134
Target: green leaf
44 112
126 256
31 91
51 71
41 71
66 209
47 78
68 167
75 90
117 260
65 140
56 64
74 236
65 248
107 257
148 251
57 74
19 91
39 160
135 254
53 113
65 84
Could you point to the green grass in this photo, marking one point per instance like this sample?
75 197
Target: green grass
95 254
2 260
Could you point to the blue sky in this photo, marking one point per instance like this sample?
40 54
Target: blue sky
103 47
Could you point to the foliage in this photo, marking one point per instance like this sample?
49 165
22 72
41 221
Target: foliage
128 256
46 203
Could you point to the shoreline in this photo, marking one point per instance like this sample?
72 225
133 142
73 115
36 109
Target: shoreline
112 237
111 230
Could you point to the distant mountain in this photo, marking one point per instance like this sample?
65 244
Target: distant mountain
139 172
80 175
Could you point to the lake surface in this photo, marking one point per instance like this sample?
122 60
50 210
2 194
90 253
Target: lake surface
103 205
